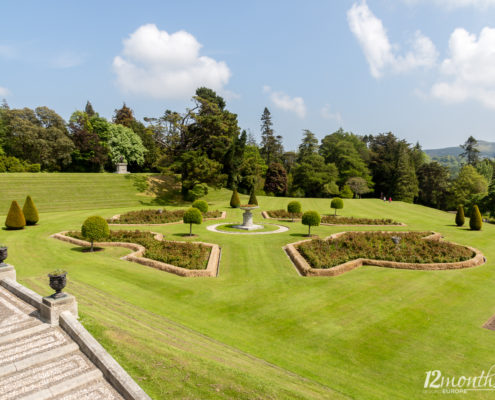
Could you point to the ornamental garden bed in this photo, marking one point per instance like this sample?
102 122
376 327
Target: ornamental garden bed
332 219
344 251
158 217
193 259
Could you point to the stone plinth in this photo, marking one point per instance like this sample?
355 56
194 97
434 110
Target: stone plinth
7 271
121 168
247 221
51 308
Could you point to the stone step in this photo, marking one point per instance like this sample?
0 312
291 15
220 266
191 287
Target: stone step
28 346
26 332
67 385
98 390
50 379
40 358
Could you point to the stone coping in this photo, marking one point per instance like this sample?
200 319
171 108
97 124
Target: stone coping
266 216
138 251
223 216
110 368
304 268
213 228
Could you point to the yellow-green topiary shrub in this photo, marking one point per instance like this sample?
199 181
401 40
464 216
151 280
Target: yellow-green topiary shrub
30 212
15 217
475 222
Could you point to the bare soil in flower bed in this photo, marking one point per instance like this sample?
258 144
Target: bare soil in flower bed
413 248
157 217
184 255
334 219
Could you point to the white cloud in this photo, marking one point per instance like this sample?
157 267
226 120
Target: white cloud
163 65
4 91
286 103
326 112
379 52
470 68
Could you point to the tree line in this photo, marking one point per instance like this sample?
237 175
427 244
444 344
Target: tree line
203 146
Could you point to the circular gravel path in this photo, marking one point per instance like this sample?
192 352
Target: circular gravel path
213 228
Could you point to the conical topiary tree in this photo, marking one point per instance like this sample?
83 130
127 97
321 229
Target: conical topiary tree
459 216
235 202
475 222
253 199
30 211
15 218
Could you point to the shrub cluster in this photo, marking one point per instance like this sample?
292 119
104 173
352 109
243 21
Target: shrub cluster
18 219
201 205
13 164
332 219
181 254
380 246
157 216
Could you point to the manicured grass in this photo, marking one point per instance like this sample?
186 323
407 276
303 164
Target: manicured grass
259 330
230 228
71 191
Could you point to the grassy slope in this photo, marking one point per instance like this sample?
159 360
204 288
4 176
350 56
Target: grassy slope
69 191
260 330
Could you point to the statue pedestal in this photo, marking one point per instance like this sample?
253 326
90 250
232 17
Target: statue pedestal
247 222
51 308
121 168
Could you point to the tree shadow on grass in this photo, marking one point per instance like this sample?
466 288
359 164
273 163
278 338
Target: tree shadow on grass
185 235
86 249
305 235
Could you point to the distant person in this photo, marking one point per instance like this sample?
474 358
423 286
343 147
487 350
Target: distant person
390 199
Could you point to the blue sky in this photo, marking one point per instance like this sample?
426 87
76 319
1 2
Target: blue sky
423 69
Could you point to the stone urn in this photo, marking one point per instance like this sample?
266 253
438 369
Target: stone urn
58 281
3 255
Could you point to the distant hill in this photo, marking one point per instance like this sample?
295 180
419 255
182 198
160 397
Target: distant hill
487 149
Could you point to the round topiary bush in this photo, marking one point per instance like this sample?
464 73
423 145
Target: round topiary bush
311 218
30 212
337 203
475 222
192 216
201 205
459 216
253 199
235 202
294 207
95 228
15 218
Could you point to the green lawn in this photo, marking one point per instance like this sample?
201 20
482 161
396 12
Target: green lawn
259 330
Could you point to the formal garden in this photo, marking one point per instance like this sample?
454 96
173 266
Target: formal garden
280 334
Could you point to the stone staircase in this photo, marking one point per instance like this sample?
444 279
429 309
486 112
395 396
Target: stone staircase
40 361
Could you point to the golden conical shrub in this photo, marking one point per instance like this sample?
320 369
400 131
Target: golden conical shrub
30 212
15 217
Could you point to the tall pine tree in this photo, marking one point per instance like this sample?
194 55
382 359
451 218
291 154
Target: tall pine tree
406 183
271 145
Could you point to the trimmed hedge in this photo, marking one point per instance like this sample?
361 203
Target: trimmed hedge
475 222
30 211
294 208
192 216
15 218
337 203
201 205
459 216
235 202
311 218
95 228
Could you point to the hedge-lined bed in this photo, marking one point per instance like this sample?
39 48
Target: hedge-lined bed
156 216
334 219
181 254
413 248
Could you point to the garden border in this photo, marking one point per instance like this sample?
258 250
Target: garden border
266 216
138 251
305 269
223 216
